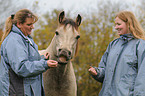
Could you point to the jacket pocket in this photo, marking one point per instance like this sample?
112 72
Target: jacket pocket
126 84
123 86
132 64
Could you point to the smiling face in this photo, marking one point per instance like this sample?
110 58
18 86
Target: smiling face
121 26
27 26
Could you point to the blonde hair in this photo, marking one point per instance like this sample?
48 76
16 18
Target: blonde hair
20 17
134 26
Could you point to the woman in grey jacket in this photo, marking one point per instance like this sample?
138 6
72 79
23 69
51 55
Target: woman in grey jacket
21 65
122 67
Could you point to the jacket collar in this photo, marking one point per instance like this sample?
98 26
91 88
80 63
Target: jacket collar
126 37
15 29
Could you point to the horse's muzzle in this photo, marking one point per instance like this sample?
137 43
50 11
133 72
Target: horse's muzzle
63 56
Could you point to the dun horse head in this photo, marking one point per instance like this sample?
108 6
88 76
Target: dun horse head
66 38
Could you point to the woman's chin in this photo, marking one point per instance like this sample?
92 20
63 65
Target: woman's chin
29 33
119 33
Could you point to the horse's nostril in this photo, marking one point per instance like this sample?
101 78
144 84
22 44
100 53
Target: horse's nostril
69 53
59 50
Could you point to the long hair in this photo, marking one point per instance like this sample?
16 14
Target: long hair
133 24
20 17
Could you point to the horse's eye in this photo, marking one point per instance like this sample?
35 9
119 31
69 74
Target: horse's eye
78 37
56 33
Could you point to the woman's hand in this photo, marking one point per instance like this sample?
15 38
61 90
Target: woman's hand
52 63
46 55
92 71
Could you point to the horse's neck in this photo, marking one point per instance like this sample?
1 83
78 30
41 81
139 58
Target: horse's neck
54 79
51 49
65 68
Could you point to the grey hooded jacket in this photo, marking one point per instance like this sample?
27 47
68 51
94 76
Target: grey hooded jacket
21 66
122 68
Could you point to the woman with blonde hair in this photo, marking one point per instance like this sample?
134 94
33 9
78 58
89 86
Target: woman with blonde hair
122 67
21 65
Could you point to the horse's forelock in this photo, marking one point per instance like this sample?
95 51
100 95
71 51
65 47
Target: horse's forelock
70 22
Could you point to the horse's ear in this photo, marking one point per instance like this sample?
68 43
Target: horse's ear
78 20
61 16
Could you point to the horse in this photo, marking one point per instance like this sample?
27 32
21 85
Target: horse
61 81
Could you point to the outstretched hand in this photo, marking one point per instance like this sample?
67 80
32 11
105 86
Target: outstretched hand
92 71
52 63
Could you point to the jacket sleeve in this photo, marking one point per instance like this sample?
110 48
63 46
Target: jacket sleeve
139 87
17 56
102 67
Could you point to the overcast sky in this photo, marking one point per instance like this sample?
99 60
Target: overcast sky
75 6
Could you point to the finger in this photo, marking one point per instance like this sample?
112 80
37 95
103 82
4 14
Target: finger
53 65
52 61
47 57
91 67
90 70
47 54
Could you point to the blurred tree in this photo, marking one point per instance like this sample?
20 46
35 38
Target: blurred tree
8 7
47 26
140 13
